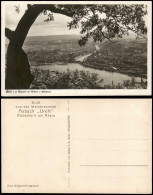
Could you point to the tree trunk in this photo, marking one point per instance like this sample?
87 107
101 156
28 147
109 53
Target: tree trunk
18 75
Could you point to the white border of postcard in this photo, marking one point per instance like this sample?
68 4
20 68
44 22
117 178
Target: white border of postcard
79 92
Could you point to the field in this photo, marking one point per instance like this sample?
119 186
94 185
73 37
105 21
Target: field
51 49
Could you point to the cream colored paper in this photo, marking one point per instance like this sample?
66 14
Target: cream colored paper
76 145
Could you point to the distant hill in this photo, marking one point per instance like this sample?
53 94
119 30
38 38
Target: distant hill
125 46
48 38
67 37
52 37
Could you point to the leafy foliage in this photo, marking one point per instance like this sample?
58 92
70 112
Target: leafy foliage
17 8
100 21
109 21
64 80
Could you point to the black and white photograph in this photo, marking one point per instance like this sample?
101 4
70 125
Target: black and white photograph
86 47
77 145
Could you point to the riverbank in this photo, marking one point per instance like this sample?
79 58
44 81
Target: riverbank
112 63
125 57
93 65
108 68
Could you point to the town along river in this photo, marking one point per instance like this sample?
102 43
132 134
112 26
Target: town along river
107 77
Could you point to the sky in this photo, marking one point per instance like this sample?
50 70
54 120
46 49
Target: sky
39 27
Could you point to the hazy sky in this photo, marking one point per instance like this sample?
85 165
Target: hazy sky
56 27
40 28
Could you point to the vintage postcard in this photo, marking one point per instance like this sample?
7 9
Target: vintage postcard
77 146
76 48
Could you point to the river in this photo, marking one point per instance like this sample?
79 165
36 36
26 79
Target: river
108 77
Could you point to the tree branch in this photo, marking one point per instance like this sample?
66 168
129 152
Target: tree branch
9 34
54 9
